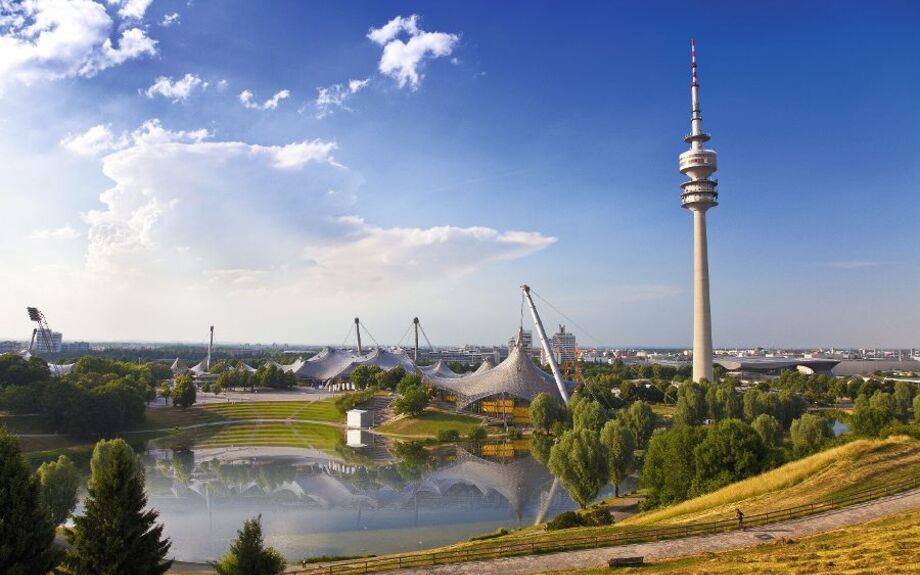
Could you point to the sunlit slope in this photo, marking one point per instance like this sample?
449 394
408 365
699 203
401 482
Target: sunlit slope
838 471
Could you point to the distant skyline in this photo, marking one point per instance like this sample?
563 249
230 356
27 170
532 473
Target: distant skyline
278 168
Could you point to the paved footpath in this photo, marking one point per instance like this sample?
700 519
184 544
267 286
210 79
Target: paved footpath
674 548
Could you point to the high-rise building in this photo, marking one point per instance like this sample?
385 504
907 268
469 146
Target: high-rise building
564 347
47 341
699 194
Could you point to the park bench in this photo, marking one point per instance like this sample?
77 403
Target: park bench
625 561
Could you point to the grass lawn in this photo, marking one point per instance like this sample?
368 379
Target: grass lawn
292 434
323 410
663 411
429 423
885 546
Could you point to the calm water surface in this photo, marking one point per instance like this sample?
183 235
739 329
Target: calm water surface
313 503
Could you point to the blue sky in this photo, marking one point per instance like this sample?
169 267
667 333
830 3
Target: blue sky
432 167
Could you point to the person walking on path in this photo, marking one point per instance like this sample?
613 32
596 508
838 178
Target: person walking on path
740 517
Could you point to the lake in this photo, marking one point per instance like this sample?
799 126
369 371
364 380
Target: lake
315 503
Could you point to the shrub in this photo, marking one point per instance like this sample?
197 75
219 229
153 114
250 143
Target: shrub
515 433
448 435
478 435
565 520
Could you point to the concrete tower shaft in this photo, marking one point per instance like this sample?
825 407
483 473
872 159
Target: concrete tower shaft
698 195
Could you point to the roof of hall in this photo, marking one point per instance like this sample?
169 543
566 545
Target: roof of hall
770 363
517 376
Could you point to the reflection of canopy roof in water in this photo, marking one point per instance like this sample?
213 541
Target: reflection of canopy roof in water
516 480
516 376
439 369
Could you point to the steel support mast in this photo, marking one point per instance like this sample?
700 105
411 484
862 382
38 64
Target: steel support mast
358 334
557 375
415 323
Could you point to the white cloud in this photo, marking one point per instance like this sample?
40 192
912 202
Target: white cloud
247 98
94 141
335 96
177 90
62 233
402 60
266 217
170 20
133 9
222 85
51 39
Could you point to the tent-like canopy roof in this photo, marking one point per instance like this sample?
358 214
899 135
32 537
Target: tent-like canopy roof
178 367
439 369
486 365
385 360
517 376
58 370
325 365
243 366
200 368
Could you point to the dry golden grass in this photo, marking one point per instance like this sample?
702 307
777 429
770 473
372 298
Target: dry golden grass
887 546
856 465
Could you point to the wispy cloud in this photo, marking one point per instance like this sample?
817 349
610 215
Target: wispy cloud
248 100
170 20
335 96
853 264
62 233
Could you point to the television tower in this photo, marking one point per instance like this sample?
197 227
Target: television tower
699 194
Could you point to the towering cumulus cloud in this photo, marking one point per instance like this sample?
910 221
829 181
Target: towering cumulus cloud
187 206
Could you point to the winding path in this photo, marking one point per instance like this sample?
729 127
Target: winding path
675 548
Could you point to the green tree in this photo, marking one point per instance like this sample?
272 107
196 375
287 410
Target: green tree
184 393
903 395
59 482
587 414
390 379
409 381
731 451
364 376
248 555
545 410
579 461
641 421
809 434
165 391
917 408
26 530
769 430
412 403
691 404
115 535
478 434
669 466
620 443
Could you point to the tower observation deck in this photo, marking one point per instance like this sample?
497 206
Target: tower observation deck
698 195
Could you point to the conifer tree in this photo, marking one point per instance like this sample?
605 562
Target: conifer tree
116 535
248 554
26 531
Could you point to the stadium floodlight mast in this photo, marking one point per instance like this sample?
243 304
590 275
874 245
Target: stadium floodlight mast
42 330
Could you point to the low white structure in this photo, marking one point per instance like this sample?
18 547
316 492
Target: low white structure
359 418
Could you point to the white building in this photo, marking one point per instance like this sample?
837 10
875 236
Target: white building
565 348
47 341
527 339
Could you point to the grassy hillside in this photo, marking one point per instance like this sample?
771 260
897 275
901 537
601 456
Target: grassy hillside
323 410
835 472
886 546
429 423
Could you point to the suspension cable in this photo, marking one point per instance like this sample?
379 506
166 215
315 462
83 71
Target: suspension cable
369 334
347 335
408 329
428 341
568 319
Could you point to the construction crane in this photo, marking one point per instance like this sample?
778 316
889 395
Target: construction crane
43 330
